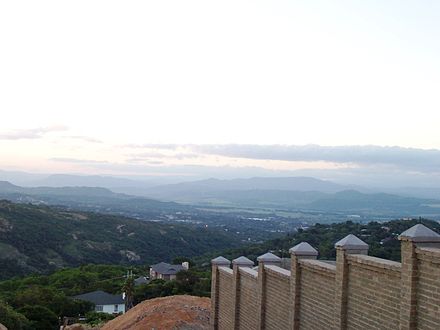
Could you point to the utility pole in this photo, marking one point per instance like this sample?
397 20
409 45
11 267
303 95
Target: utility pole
129 290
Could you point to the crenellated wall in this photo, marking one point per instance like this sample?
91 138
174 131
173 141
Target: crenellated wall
356 291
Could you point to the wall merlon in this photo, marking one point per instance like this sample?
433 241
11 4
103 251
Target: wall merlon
269 259
375 262
419 233
429 254
242 262
248 271
277 270
225 270
351 244
304 249
319 265
220 261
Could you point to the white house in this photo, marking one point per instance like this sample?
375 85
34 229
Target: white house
104 302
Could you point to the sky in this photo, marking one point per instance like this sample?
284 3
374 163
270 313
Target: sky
133 87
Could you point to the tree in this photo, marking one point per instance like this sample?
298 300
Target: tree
40 317
12 319
186 279
180 260
128 289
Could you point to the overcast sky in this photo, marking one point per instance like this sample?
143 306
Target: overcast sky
105 86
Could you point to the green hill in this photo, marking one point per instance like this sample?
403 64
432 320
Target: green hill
41 239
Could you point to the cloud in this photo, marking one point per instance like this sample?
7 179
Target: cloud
371 175
32 133
83 138
423 160
158 146
158 155
78 161
409 158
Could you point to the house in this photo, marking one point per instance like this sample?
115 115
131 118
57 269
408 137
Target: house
104 302
141 280
166 271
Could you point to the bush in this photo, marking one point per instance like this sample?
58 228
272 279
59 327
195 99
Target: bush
12 319
40 317
97 318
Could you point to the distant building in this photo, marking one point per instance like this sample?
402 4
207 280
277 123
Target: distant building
141 280
104 302
166 271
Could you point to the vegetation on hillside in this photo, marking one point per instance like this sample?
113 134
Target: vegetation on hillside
381 237
38 239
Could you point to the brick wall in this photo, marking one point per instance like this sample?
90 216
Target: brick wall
428 288
373 293
225 300
247 309
317 295
277 298
355 292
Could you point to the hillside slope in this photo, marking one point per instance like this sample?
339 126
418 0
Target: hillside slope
175 312
40 239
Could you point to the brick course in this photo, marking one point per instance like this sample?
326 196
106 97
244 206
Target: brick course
225 300
247 314
277 298
317 295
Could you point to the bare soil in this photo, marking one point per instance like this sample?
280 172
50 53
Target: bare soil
167 313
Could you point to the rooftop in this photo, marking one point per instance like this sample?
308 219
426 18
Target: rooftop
167 269
101 298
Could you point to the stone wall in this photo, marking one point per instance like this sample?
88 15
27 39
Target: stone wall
356 291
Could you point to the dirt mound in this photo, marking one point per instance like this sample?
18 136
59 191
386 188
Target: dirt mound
175 312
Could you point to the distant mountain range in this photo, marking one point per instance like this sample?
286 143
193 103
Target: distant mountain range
292 193
40 238
295 193
95 199
151 185
212 185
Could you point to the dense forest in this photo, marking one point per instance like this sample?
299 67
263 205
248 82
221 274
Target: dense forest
382 238
41 239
